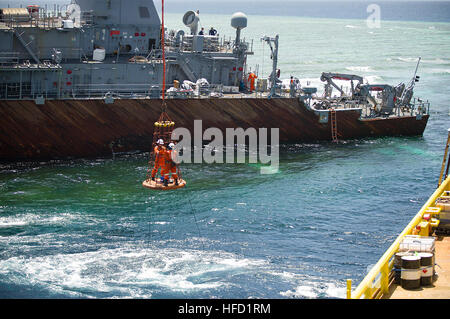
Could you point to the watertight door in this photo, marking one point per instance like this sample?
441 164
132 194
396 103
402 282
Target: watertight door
225 75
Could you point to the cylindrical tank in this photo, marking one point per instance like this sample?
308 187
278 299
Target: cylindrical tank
410 277
398 265
426 269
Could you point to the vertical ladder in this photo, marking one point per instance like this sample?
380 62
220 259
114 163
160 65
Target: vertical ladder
442 176
333 125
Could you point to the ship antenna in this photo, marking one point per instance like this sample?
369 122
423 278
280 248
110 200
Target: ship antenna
415 78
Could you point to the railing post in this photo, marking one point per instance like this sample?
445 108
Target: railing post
385 278
441 176
368 292
349 289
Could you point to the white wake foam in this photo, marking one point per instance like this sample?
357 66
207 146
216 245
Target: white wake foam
330 290
119 271
34 219
359 68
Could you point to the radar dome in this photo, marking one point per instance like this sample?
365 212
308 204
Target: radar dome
239 20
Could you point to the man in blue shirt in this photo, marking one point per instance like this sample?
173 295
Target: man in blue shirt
213 31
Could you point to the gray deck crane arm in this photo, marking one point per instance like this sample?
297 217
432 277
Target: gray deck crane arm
329 77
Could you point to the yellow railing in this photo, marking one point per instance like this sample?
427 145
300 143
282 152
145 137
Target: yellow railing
376 283
445 161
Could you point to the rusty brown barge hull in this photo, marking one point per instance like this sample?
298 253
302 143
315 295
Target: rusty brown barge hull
61 129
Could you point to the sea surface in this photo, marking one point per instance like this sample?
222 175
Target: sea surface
88 229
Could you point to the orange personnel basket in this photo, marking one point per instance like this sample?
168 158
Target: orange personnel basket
163 129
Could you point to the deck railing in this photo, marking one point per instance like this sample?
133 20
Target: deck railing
377 282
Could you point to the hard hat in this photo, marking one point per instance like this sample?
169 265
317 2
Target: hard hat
160 142
171 145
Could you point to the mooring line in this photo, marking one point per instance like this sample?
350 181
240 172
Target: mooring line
150 228
195 218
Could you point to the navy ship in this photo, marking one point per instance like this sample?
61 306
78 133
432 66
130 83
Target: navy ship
85 80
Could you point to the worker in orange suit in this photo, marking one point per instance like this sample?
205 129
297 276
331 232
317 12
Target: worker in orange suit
160 155
172 166
251 78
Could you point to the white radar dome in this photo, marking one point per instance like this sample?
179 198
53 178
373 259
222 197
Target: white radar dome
239 20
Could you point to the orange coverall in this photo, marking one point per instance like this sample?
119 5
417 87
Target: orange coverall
251 78
170 166
160 159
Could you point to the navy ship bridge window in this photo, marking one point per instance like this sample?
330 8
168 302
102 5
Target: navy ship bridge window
144 13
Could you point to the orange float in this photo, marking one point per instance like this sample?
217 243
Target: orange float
157 185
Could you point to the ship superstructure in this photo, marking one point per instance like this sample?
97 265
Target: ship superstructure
97 48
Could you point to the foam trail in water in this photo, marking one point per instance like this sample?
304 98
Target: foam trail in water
111 271
34 219
329 290
359 68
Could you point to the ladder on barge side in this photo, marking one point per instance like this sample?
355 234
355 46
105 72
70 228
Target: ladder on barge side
334 133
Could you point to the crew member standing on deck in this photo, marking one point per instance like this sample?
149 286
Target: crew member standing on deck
202 32
292 87
160 151
213 31
251 78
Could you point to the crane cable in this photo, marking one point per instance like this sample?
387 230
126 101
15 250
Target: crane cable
163 45
163 127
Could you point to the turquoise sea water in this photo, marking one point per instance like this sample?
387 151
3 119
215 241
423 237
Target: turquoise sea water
87 228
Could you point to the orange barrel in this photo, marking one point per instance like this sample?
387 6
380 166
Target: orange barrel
426 269
411 274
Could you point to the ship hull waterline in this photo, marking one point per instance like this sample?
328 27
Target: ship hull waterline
61 129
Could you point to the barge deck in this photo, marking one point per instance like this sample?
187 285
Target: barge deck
440 289
427 234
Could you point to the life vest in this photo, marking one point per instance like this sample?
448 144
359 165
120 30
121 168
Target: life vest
251 79
171 154
160 156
